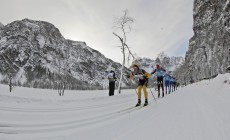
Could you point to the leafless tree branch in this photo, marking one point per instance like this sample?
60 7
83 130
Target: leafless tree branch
123 25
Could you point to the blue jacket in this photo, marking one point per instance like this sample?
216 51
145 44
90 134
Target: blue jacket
172 79
167 77
159 72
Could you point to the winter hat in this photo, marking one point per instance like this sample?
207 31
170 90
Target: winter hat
136 65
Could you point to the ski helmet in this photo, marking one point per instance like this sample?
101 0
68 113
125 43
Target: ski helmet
157 65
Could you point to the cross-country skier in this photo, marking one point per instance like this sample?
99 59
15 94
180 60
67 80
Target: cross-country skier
160 74
112 79
143 77
172 83
167 78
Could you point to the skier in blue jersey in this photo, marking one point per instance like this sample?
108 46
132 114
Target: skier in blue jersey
172 81
160 74
167 78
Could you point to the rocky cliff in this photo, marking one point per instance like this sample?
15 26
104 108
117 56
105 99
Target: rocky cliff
209 49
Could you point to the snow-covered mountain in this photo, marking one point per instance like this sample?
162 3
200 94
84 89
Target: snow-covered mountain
35 54
168 63
209 49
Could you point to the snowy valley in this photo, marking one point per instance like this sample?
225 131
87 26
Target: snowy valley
36 60
198 111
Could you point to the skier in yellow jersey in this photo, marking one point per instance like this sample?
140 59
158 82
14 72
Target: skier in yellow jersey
143 77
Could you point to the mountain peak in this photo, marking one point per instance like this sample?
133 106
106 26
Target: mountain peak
36 54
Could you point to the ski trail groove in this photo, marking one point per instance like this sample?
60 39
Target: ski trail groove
62 109
28 129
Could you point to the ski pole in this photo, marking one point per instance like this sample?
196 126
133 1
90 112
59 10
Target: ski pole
153 95
135 91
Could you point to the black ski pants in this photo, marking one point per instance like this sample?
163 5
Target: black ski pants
111 88
160 84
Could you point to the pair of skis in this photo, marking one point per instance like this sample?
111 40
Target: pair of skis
131 109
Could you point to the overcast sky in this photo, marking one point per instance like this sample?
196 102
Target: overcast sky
160 25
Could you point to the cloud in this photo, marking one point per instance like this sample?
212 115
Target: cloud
159 25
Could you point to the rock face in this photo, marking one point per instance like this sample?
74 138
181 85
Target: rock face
35 54
209 49
1 25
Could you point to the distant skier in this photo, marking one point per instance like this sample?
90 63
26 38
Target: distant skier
177 84
172 82
167 78
112 79
143 77
160 74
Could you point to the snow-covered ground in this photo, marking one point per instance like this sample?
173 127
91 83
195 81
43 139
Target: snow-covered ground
196 112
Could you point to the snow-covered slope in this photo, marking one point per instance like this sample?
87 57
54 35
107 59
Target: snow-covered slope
196 112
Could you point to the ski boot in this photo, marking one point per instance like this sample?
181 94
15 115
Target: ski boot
159 95
163 94
146 102
138 103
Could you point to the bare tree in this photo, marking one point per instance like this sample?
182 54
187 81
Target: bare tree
158 61
64 71
10 76
10 70
123 25
60 79
164 59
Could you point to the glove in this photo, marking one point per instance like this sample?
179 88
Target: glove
144 76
